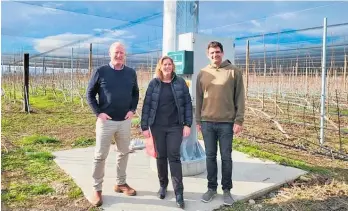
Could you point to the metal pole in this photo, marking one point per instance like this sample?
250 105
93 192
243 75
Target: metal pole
72 70
323 83
169 26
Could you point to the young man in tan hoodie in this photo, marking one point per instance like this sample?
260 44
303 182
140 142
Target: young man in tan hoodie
220 108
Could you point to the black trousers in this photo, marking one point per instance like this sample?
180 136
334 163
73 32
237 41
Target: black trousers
167 143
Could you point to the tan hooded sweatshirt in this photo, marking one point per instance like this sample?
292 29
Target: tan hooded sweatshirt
220 94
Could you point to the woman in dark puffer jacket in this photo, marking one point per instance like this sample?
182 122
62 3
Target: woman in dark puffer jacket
167 110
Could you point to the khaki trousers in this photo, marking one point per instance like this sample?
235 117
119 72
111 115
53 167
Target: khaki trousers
105 130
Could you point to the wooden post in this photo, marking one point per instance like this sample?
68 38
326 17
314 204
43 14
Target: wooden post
247 70
339 121
264 73
306 83
71 75
264 83
26 82
151 69
296 69
280 79
345 73
90 63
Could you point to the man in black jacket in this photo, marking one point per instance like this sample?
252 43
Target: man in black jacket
118 93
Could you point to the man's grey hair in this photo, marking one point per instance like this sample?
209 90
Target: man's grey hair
113 45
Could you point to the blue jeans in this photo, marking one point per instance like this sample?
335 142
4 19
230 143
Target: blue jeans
222 133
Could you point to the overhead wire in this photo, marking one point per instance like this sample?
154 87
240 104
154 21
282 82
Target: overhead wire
122 26
81 13
276 15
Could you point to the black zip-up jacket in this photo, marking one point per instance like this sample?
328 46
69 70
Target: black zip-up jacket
182 99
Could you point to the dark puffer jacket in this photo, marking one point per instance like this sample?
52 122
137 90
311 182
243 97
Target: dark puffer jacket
182 99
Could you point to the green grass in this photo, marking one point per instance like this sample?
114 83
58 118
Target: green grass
13 160
333 111
38 166
344 112
75 193
136 122
28 168
246 147
49 102
253 150
83 142
40 156
20 192
35 170
36 139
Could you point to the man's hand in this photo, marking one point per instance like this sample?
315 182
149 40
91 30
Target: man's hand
186 131
104 116
147 133
129 115
237 129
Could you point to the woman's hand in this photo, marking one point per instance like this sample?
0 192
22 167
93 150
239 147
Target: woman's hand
186 131
147 133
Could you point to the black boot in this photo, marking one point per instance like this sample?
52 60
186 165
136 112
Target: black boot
180 201
162 192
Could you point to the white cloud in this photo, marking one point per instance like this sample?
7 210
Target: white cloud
103 42
109 32
287 16
52 4
256 23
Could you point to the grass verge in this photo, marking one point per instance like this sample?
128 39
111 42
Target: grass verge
242 145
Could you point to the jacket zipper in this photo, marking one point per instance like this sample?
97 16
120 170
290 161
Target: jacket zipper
176 102
159 93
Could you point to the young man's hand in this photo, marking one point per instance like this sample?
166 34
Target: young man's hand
237 129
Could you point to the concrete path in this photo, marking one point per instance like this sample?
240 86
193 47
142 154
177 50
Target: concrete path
251 177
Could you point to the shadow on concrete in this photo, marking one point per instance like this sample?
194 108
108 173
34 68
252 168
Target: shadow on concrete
169 201
242 171
251 172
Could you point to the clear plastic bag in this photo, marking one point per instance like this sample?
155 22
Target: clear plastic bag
191 149
137 144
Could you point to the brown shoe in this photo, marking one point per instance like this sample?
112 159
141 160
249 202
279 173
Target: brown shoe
97 200
125 189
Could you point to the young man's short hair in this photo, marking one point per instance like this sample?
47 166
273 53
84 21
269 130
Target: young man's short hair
215 44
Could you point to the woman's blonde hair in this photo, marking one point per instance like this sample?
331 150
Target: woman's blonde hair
158 71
